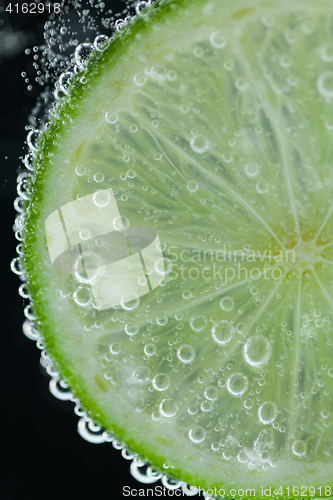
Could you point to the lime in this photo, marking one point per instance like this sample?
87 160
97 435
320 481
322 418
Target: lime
178 242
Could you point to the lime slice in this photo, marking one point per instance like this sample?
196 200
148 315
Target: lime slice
178 243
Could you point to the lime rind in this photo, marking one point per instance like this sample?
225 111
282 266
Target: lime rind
292 298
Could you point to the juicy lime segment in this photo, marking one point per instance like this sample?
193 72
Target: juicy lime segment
208 124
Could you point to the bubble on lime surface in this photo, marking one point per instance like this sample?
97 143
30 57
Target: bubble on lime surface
325 84
198 323
101 198
299 448
168 407
199 143
82 296
161 381
150 349
222 332
251 169
131 328
192 186
257 351
237 384
186 354
227 303
267 412
197 434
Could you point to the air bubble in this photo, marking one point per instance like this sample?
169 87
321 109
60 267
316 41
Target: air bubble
16 266
64 81
84 234
325 84
131 328
120 24
198 323
240 328
159 266
172 75
251 169
211 393
120 223
217 40
101 42
131 174
199 144
28 161
80 170
262 187
141 8
87 260
101 198
198 52
186 354
241 83
82 296
161 381
32 140
206 406
257 351
98 177
129 301
197 434
162 320
222 332
23 291
299 448
285 61
227 304
115 348
149 349
139 79
248 404
326 52
267 413
227 158
111 117
237 384
193 409
192 186
82 54
229 65
168 407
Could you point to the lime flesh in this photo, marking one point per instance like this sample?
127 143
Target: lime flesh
211 122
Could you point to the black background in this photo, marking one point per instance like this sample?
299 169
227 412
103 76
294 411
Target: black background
41 454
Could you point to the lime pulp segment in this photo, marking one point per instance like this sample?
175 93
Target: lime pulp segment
211 124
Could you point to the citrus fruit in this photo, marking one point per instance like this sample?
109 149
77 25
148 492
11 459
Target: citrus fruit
178 242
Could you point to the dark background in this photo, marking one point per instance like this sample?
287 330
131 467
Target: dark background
41 454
